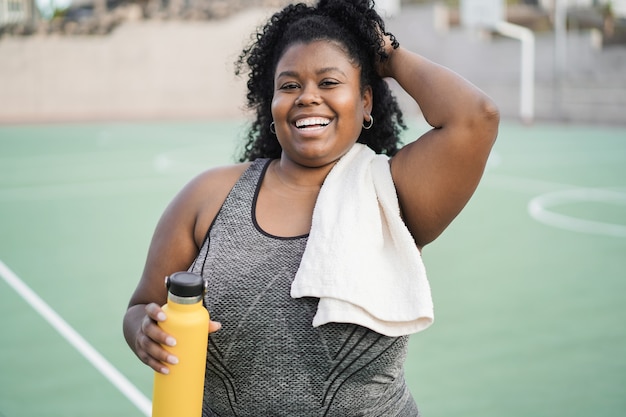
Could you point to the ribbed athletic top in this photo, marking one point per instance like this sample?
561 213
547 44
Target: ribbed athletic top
268 360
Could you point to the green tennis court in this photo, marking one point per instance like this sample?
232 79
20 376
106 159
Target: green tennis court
529 282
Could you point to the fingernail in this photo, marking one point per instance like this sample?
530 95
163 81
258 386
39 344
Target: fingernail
172 359
170 341
161 316
165 371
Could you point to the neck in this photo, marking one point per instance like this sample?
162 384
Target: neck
300 178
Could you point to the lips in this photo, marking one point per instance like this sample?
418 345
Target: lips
310 123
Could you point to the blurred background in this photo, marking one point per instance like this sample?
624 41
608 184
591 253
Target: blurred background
81 60
108 107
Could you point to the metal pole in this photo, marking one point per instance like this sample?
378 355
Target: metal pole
560 52
527 67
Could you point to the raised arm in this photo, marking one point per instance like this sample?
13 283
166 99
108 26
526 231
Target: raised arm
436 175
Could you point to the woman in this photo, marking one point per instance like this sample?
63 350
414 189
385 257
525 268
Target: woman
316 86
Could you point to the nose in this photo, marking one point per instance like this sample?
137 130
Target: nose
309 95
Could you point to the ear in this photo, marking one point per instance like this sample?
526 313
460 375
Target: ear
368 100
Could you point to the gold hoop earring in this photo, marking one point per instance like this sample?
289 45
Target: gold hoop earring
273 127
371 123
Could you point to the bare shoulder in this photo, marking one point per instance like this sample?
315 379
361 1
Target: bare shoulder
208 191
218 179
182 228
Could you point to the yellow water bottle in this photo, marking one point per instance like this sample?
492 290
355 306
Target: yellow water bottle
179 393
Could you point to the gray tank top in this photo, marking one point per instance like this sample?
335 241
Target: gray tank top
268 360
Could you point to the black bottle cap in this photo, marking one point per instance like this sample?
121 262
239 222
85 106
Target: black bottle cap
185 284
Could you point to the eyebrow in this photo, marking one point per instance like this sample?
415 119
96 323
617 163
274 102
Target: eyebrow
318 72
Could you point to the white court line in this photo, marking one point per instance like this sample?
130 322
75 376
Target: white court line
555 194
539 209
77 341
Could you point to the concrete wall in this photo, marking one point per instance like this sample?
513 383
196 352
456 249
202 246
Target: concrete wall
618 6
168 70
143 70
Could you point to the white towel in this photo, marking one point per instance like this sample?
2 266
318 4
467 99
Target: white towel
360 259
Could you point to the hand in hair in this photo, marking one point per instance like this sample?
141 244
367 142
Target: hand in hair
389 46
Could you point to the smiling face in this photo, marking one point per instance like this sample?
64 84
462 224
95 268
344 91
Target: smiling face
318 105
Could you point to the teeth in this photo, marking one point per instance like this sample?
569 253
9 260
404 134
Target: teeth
312 121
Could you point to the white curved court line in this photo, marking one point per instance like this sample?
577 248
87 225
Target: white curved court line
538 208
77 341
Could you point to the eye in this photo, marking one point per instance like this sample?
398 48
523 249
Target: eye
289 86
329 83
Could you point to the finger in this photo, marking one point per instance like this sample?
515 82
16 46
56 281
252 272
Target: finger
155 333
150 355
154 311
156 353
153 354
214 326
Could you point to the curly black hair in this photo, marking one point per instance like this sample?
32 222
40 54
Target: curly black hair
353 24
